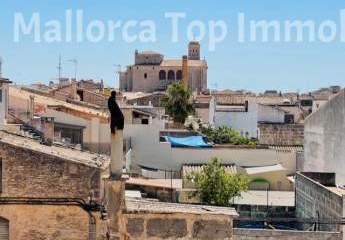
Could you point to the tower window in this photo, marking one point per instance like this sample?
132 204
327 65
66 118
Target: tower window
179 75
145 75
162 75
171 75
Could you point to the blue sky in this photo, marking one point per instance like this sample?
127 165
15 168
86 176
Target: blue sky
254 66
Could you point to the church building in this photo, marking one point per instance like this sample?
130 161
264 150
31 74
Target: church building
151 72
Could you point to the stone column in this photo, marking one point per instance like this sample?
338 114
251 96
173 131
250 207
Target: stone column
32 107
115 204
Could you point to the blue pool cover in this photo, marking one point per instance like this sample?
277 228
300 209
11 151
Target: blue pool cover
193 141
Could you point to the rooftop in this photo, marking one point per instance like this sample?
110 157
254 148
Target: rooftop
151 206
259 198
287 148
192 168
264 169
17 92
178 63
69 154
4 80
158 183
337 190
149 52
233 169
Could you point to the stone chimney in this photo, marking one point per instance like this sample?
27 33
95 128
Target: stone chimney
185 72
4 97
73 90
116 163
31 107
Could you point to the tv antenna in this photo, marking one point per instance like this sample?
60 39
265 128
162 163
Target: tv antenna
0 67
75 62
59 67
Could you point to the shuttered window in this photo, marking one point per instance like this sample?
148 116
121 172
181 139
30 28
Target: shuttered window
4 232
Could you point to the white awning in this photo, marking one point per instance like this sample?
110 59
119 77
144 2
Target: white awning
265 169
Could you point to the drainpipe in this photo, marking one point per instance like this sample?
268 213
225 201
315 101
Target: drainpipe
31 107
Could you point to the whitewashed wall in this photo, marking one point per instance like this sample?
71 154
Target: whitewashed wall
270 114
324 139
244 122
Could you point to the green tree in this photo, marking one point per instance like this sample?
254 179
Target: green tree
178 102
216 186
226 135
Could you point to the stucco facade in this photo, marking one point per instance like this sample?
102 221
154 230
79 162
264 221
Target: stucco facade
324 140
245 117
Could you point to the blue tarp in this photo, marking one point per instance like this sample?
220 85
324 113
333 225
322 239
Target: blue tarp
193 141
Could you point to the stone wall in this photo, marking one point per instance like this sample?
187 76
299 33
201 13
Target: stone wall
153 99
251 234
94 98
35 222
281 134
177 226
314 200
32 174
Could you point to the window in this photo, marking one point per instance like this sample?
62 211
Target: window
145 121
307 103
171 75
179 75
0 95
145 75
289 118
4 229
162 75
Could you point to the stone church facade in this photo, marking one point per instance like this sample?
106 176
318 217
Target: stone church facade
151 72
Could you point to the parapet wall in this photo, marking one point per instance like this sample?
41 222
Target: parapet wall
281 134
177 226
260 234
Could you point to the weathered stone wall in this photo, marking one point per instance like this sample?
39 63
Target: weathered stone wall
28 173
251 234
35 222
313 201
154 99
281 134
65 92
94 98
176 226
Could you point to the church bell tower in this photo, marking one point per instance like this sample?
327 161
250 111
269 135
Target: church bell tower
194 50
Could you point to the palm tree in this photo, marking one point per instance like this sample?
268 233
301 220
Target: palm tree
178 103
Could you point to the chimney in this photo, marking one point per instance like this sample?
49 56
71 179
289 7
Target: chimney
73 90
116 163
32 107
4 97
185 72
